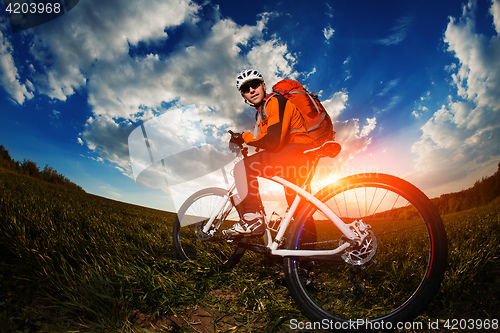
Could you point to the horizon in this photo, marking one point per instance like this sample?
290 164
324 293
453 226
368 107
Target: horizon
413 88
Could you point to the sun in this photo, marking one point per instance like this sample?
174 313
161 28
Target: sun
321 180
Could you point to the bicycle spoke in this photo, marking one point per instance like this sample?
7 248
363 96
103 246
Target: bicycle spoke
380 277
205 249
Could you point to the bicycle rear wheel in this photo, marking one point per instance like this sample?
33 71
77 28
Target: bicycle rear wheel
191 243
391 277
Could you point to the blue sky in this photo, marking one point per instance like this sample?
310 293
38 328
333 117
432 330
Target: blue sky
413 86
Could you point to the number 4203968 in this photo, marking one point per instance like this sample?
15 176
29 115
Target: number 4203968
472 324
34 8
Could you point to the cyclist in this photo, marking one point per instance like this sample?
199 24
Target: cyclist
280 138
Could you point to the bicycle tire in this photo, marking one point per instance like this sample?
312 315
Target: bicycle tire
409 249
204 250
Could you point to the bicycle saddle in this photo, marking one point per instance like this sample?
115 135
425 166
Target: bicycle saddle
327 149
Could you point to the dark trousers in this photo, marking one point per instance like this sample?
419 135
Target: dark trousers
289 163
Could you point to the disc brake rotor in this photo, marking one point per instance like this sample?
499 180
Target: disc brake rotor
363 252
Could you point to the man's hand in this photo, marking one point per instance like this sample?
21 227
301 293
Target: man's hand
237 138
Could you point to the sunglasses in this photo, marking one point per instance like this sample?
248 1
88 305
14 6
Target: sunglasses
252 84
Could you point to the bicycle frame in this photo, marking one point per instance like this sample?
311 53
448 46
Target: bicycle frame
344 228
300 192
324 241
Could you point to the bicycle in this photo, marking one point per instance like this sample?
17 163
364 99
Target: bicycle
369 247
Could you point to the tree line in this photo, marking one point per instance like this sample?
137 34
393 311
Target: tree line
482 193
30 168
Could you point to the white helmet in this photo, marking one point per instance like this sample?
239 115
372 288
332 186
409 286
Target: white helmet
247 75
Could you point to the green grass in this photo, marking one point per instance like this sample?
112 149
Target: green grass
74 262
471 286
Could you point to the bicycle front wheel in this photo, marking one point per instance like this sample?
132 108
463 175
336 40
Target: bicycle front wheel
206 249
391 277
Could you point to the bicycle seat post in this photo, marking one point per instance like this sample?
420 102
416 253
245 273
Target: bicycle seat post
310 175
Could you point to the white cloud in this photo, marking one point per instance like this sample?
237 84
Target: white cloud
353 137
425 96
347 71
329 12
114 194
108 137
272 59
457 139
495 12
336 104
398 33
310 73
98 35
328 33
388 87
369 127
9 76
419 112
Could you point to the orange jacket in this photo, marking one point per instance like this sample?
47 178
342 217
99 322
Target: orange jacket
280 124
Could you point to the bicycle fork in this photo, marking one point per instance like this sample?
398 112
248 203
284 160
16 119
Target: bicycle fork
219 209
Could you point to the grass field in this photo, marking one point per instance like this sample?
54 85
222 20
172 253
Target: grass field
74 262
